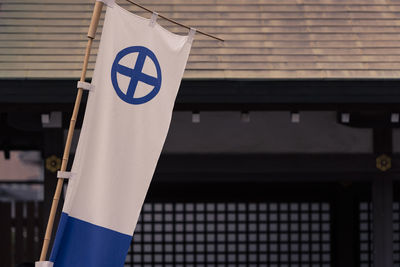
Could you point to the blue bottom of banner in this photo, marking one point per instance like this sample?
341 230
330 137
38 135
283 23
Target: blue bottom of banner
82 244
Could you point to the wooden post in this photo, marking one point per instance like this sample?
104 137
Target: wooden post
52 151
382 202
6 228
91 35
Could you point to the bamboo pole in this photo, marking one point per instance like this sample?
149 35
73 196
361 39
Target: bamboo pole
174 21
91 35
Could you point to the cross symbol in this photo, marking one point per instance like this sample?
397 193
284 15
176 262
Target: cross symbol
136 74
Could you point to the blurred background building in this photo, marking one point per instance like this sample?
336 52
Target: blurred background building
283 148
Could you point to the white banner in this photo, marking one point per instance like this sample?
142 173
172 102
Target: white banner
137 75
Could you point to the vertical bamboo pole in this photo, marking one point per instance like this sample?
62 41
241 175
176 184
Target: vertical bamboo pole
91 35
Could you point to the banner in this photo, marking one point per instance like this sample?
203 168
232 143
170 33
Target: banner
137 75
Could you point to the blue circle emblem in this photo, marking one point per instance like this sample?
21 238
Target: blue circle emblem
136 75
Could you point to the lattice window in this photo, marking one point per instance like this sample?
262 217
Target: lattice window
396 233
232 234
365 234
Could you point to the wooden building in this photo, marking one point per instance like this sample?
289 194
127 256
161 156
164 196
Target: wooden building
283 145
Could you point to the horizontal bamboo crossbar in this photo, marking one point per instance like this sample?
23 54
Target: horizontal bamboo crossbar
175 22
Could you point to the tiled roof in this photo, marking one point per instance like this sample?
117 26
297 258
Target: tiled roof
265 39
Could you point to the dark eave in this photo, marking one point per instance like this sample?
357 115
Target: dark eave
224 94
